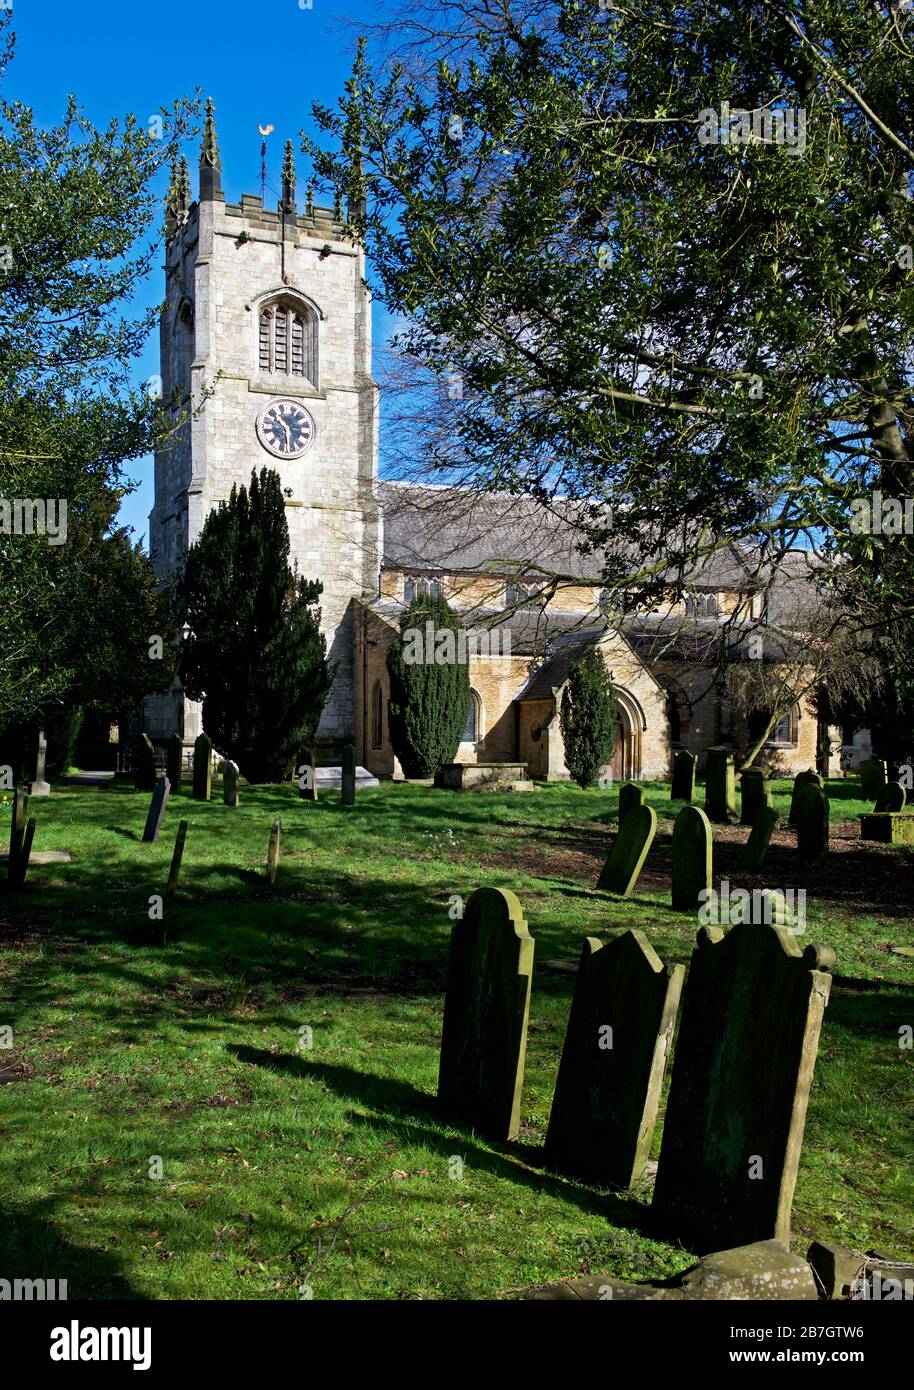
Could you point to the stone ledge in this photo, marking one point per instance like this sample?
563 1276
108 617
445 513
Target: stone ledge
472 776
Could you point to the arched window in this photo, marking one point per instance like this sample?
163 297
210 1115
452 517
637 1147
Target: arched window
287 340
420 588
520 596
471 727
377 715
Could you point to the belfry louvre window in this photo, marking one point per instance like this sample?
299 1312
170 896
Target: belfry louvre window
287 343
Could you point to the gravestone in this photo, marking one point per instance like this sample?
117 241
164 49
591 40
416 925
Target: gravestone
808 778
174 762
891 798
631 796
733 1130
811 820
620 1030
692 850
171 887
486 1005
873 777
307 775
20 814
156 811
230 783
754 793
684 766
19 866
347 797
273 851
39 786
766 819
144 764
174 873
626 858
203 767
720 785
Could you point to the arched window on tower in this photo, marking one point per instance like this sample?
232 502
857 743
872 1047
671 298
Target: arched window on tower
287 340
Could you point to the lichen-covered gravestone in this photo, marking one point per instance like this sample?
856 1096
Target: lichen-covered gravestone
619 1034
626 858
766 819
230 783
811 814
307 775
684 765
631 796
486 1005
144 764
891 798
17 827
39 785
754 793
174 762
733 1130
347 795
809 778
873 777
203 767
720 785
692 851
156 811
273 851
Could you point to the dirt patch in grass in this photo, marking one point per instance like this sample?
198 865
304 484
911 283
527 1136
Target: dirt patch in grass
15 1069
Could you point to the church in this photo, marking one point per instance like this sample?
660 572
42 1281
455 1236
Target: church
267 328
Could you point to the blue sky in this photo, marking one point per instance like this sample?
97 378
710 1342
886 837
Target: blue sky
262 63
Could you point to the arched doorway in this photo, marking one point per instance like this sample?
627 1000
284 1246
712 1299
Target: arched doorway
622 752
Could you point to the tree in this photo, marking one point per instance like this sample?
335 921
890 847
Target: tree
657 298
78 206
588 717
255 655
429 687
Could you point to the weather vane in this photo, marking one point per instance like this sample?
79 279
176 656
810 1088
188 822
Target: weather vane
265 130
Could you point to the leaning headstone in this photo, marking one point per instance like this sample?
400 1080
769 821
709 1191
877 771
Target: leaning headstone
19 867
631 796
307 775
273 851
766 819
873 777
174 761
891 798
720 785
348 773
684 766
626 858
754 793
230 774
486 1005
144 764
692 850
20 816
171 887
808 778
39 786
619 1035
203 767
733 1130
811 821
156 811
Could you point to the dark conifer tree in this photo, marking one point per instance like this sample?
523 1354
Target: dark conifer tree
588 718
429 687
256 656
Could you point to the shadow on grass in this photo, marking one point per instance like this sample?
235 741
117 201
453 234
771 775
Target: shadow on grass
32 1247
409 1112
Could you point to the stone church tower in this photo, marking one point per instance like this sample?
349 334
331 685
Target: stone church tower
267 328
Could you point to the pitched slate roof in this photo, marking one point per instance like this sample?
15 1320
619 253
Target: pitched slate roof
460 529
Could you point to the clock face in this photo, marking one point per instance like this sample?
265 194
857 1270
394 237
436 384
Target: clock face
286 428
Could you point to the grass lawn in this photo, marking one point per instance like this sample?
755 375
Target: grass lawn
288 1171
